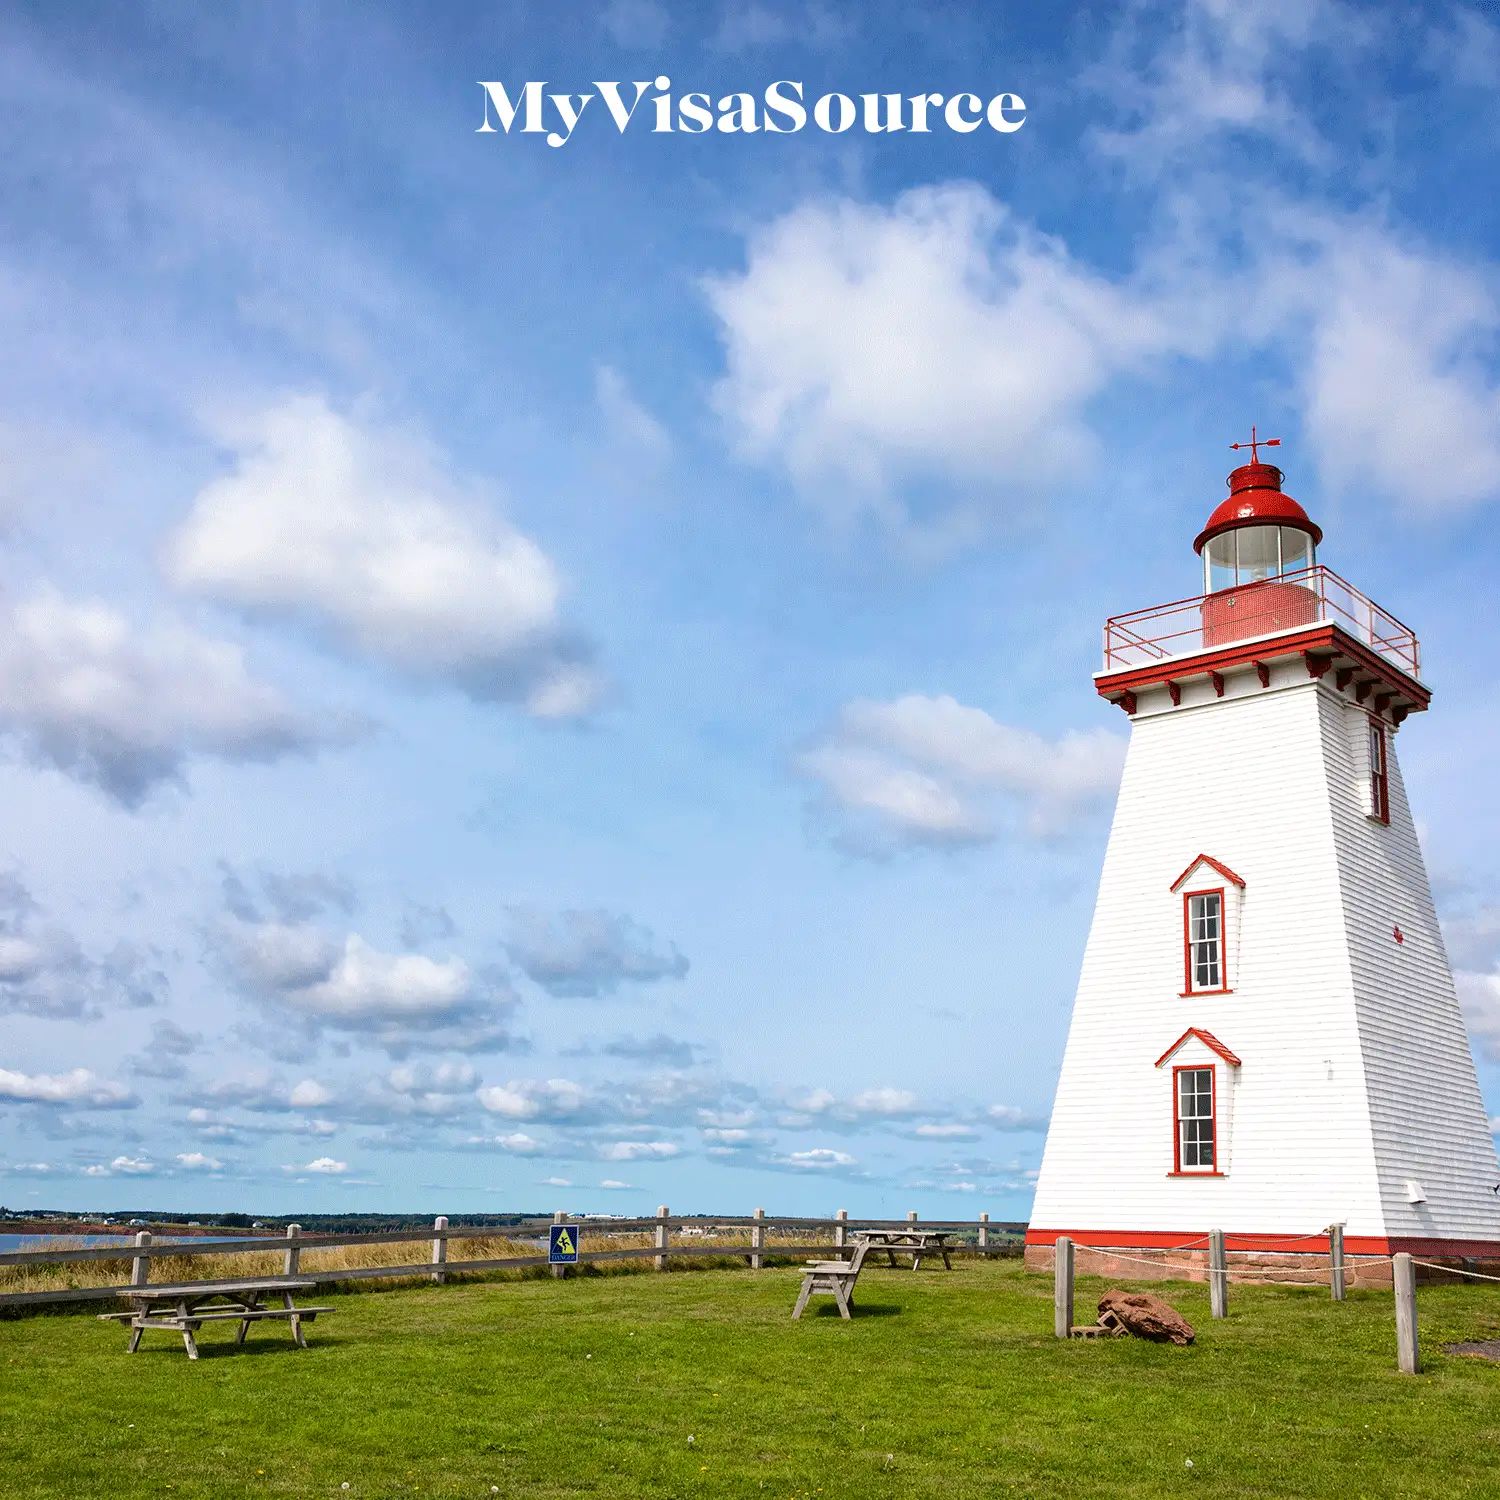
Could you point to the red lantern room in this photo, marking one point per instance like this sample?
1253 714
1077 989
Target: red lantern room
1258 549
1257 533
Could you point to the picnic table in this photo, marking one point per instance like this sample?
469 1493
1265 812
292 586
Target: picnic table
184 1309
913 1242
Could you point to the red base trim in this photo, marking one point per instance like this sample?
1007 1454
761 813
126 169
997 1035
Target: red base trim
1354 1244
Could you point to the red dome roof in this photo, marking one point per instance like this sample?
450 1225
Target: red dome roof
1255 499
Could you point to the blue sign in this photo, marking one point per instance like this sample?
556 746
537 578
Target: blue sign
562 1244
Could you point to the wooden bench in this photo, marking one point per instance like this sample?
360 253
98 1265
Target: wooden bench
184 1309
835 1278
913 1242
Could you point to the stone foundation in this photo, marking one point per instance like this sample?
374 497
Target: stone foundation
1124 1263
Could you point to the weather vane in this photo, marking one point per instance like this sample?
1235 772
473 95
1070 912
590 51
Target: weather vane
1256 444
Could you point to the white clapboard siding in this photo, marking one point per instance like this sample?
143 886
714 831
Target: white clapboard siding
1356 1074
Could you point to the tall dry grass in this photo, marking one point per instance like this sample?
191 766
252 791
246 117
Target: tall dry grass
781 1245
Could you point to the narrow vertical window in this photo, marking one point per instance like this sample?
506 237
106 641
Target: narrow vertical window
1203 914
1195 1149
1380 781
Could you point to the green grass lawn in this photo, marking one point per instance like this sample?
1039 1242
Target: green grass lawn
698 1383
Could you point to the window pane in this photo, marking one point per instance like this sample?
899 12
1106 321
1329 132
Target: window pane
1259 552
1296 549
1220 554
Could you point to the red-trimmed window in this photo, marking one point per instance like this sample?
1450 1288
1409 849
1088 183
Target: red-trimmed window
1206 948
1380 774
1194 1117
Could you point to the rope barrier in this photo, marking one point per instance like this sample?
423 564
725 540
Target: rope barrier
1432 1265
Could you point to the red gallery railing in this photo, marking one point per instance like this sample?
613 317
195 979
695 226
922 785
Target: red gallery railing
1273 606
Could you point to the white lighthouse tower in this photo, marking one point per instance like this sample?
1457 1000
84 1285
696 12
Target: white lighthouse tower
1266 1038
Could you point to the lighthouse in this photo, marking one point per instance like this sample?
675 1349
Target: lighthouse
1265 1038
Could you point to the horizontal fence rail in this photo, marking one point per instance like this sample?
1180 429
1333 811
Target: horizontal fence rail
989 1238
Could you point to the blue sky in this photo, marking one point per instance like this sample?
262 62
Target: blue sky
560 678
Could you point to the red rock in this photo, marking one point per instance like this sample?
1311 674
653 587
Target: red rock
1147 1317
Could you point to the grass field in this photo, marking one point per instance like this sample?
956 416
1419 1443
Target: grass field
946 1385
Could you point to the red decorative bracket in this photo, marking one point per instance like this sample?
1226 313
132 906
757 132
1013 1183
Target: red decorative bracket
1316 665
1174 692
1343 677
1217 678
1363 691
1126 700
1264 673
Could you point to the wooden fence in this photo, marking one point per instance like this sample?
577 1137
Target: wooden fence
987 1239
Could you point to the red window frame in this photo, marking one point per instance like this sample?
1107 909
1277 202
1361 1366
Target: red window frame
1178 1170
1380 772
1187 942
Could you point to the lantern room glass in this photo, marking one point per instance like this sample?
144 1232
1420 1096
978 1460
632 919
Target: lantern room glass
1252 554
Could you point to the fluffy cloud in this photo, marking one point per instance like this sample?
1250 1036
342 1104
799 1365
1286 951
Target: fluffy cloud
1400 394
872 347
816 1159
196 1161
930 771
632 426
1479 995
588 952
45 972
536 1099
326 1166
363 533
78 1088
614 1185
261 1092
637 1151
1221 72
123 708
400 1001
123 1166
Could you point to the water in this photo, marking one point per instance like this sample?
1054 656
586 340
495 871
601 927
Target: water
53 1241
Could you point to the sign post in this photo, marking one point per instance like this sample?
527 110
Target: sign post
562 1244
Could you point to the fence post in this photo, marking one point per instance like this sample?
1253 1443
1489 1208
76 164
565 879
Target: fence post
841 1228
140 1267
560 1273
1218 1275
293 1263
1336 1261
661 1236
984 1231
440 1246
758 1241
1062 1291
1404 1275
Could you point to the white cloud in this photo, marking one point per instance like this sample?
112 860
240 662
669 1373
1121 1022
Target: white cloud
400 1000
817 1159
516 1142
1011 1117
637 1151
362 532
884 1102
309 1094
1399 384
196 1161
78 1087
613 1184
556 1182
632 426
870 348
124 1166
1479 995
122 707
946 1132
530 1099
326 1165
1187 77
932 771
589 952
